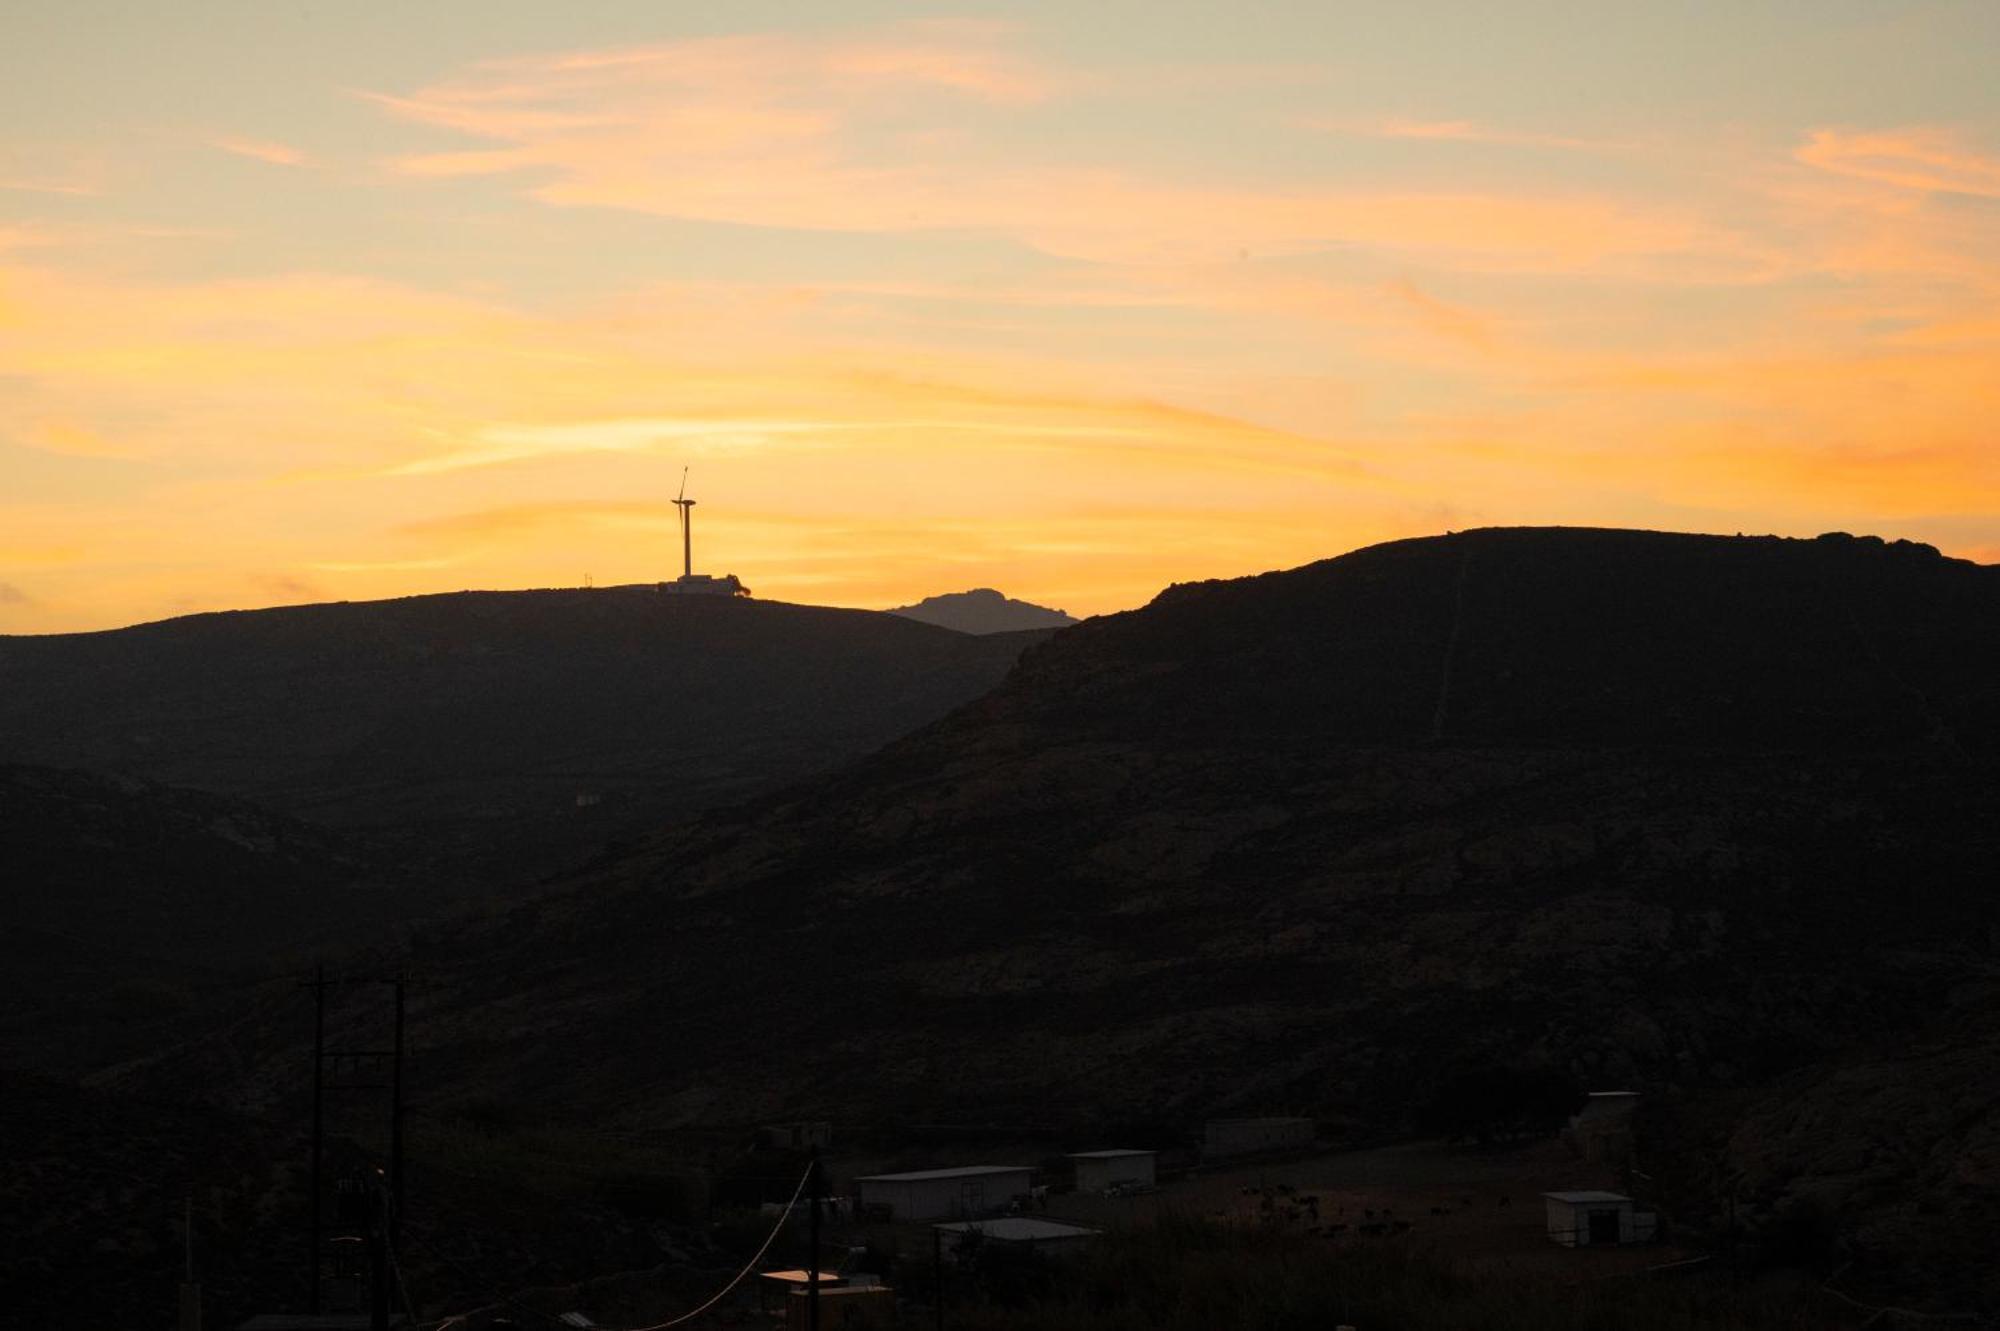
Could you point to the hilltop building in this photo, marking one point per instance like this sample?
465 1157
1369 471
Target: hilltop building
940 1194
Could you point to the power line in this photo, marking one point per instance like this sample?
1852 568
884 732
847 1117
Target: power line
712 1300
755 1258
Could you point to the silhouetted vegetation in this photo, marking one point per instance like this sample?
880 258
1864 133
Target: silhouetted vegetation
1501 1104
1185 1274
562 1164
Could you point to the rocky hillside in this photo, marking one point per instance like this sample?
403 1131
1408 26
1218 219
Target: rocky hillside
127 909
528 728
1684 813
181 875
983 610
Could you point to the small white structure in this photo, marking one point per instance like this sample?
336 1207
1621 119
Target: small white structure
1590 1219
1044 1236
939 1194
1248 1136
1098 1170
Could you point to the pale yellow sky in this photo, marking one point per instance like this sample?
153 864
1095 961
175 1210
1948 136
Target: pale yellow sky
400 299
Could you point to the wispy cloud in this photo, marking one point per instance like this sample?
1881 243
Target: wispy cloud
48 187
1447 321
514 519
498 444
838 135
1930 160
76 170
887 413
263 150
380 565
1462 131
72 439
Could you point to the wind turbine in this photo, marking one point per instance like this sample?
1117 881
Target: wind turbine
686 506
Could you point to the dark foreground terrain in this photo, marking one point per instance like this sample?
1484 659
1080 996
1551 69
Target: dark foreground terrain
1711 818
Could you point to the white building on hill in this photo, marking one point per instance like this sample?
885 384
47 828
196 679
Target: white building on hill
1098 1170
940 1194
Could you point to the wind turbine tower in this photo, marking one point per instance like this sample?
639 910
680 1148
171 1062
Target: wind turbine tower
690 583
686 506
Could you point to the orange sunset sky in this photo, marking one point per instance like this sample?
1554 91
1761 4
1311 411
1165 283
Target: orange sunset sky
346 301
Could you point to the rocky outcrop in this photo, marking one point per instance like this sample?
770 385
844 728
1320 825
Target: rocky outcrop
983 610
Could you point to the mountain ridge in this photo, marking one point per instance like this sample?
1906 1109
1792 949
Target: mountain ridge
522 729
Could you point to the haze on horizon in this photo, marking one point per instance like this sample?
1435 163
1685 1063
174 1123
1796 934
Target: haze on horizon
368 300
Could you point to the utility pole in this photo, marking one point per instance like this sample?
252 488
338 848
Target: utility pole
937 1263
378 1258
813 1182
190 1291
385 1201
319 1122
396 1121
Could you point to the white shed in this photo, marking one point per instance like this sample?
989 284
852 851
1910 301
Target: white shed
1098 1170
1247 1136
1044 1236
1597 1219
937 1194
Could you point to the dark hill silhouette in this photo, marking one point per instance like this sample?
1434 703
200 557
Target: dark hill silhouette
125 907
179 875
1560 636
480 720
1682 813
983 610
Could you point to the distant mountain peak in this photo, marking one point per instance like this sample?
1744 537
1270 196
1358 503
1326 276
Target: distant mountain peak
983 610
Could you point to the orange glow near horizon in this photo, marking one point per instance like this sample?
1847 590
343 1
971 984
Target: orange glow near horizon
936 305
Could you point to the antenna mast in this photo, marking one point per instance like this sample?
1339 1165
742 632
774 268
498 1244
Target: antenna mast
686 506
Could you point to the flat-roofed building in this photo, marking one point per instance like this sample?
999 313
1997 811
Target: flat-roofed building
944 1194
1098 1170
1593 1219
1051 1237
